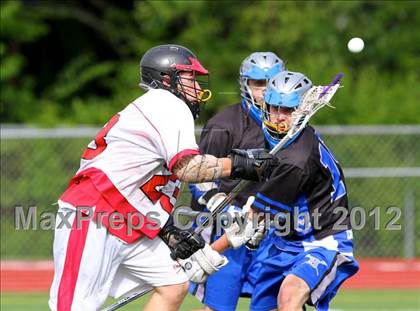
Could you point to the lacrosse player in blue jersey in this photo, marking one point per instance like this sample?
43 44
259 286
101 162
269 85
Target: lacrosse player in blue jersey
309 253
236 127
312 253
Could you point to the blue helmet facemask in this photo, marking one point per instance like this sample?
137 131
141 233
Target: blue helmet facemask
257 66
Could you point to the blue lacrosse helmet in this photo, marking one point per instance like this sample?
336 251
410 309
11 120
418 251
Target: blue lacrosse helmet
285 90
257 66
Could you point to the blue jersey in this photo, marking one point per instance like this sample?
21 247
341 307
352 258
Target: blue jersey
306 191
309 237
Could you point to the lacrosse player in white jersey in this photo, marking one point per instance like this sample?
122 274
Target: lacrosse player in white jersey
114 233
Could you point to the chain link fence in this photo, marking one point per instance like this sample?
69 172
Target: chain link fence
381 165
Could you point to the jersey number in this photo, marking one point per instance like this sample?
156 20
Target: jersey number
330 163
99 143
163 188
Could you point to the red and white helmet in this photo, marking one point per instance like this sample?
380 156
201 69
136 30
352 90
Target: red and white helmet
166 62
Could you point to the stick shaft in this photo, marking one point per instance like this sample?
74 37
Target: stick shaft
122 302
334 82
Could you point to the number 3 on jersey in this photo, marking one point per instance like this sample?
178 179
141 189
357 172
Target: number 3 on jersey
98 145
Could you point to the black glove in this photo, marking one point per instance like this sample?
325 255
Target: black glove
182 242
252 164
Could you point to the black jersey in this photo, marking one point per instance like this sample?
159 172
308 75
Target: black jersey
231 128
308 181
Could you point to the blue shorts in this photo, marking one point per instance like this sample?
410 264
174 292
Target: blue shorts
323 270
222 290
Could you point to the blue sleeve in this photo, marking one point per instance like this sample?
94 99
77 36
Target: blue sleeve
195 191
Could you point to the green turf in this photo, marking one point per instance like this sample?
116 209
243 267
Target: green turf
347 300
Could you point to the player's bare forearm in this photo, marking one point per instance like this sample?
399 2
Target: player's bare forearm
201 168
221 244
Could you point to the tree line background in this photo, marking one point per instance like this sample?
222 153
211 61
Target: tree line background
77 63
71 62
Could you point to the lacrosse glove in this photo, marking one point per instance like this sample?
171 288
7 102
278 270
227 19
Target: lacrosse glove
182 242
252 164
203 263
250 235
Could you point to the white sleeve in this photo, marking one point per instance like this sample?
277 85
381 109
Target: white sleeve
175 124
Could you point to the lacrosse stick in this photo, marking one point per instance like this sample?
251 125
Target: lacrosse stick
123 301
315 98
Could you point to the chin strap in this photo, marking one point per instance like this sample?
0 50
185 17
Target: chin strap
194 108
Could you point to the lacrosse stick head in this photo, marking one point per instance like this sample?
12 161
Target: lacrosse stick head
259 66
313 100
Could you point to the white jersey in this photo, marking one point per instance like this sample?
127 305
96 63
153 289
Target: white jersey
132 157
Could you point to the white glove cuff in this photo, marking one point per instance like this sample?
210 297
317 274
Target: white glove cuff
210 260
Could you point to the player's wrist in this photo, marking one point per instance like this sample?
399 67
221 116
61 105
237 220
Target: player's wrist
226 167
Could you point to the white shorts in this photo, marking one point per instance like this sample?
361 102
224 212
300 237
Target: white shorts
91 264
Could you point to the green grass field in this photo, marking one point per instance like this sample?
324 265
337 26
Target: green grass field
348 300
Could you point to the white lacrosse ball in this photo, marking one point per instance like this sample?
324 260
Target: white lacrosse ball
355 45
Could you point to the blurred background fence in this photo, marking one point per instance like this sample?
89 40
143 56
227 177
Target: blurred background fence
381 164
